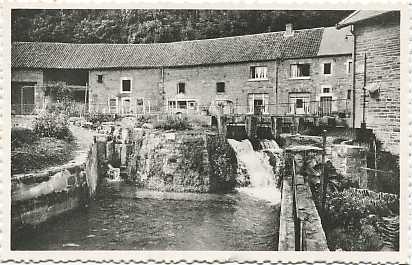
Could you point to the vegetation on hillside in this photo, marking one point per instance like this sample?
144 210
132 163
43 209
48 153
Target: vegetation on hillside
155 25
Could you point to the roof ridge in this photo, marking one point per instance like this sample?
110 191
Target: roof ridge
349 16
174 42
234 49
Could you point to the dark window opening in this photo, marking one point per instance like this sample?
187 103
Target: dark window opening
299 103
220 87
349 94
181 88
326 90
299 70
327 68
126 85
349 67
99 78
182 104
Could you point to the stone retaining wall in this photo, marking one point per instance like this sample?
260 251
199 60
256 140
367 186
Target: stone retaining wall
39 196
314 238
350 162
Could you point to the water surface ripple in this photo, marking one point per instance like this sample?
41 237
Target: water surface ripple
125 218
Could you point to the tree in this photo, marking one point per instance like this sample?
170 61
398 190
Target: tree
157 25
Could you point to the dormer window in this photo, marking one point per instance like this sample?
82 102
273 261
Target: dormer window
181 88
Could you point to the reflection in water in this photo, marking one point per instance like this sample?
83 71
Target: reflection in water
125 218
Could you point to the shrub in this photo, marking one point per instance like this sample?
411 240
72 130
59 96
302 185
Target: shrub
142 119
351 205
52 125
20 136
172 122
98 118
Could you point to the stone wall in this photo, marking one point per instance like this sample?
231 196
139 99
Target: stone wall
39 196
158 85
350 162
338 82
32 75
379 40
144 85
184 161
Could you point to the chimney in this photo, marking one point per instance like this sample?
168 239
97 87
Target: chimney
289 30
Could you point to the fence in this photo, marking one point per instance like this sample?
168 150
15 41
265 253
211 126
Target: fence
23 109
313 108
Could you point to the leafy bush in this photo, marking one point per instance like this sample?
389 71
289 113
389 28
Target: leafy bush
98 118
142 119
351 205
20 136
52 125
352 219
172 122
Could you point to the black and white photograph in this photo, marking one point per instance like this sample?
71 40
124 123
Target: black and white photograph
206 130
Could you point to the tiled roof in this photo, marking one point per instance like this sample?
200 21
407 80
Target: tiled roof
257 47
360 15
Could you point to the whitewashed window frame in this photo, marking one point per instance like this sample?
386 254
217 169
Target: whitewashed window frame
293 74
123 99
109 106
121 85
322 68
263 74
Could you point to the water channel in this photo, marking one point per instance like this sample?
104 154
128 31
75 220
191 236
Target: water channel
124 217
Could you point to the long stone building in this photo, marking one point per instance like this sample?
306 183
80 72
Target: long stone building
290 72
377 68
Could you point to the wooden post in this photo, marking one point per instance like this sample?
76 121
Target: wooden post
323 178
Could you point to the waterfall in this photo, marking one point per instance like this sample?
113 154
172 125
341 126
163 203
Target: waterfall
262 180
270 145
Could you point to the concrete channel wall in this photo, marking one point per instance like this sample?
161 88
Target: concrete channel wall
39 196
300 223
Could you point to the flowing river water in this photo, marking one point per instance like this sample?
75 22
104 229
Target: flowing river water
124 217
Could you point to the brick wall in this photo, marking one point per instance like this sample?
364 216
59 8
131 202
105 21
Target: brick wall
379 39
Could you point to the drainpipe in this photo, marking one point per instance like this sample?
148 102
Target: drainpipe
352 31
276 85
162 73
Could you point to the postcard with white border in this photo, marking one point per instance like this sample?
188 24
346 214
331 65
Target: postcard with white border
261 132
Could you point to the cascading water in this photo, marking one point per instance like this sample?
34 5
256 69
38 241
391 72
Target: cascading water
270 145
262 180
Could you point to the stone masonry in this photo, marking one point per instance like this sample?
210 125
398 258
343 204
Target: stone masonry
379 39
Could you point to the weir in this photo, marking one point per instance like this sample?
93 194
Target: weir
255 172
152 167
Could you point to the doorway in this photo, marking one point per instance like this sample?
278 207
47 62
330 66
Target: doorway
22 97
326 105
299 103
